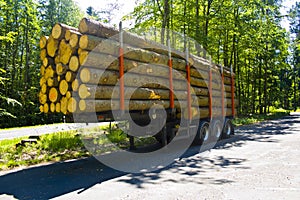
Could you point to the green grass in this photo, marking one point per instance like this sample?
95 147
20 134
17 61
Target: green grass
65 145
50 148
251 119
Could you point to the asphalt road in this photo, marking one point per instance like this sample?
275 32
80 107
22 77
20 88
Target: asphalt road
43 129
260 162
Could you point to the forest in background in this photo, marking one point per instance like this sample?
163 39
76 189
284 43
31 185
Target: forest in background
243 34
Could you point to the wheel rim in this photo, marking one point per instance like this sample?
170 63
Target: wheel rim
218 130
205 132
228 132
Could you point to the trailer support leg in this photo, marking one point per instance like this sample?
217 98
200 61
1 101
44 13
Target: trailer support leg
131 143
164 138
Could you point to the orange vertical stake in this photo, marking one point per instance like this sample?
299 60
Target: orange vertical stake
171 84
170 64
188 77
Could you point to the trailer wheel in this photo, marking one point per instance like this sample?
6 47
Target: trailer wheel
215 130
228 129
203 133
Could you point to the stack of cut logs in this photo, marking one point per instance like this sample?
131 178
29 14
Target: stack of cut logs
80 70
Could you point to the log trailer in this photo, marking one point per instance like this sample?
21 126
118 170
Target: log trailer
70 95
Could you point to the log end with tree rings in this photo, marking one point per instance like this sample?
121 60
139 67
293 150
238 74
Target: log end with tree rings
44 88
42 70
61 69
74 40
43 42
75 85
52 107
64 105
68 94
63 87
74 64
83 91
83 42
85 75
83 25
72 105
43 81
43 98
57 107
41 108
52 46
43 54
82 105
56 31
53 95
46 108
70 76
68 35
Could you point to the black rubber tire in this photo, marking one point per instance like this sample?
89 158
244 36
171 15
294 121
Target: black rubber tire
228 129
202 134
215 131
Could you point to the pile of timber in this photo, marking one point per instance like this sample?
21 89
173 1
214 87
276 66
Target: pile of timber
80 70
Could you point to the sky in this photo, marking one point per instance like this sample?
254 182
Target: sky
127 6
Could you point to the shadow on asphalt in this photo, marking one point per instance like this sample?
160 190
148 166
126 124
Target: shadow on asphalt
45 182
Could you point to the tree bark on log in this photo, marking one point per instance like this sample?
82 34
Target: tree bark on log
95 28
107 77
52 46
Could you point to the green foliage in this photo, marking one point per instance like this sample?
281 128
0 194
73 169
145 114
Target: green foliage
243 34
22 24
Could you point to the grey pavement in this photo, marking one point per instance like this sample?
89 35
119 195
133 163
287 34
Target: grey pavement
260 162
44 129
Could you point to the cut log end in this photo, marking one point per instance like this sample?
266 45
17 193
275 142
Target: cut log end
75 85
64 105
85 75
74 64
82 105
43 42
53 95
57 107
83 26
41 108
83 42
70 76
72 105
46 108
52 107
63 87
83 91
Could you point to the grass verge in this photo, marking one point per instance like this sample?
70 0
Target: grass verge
251 119
65 145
